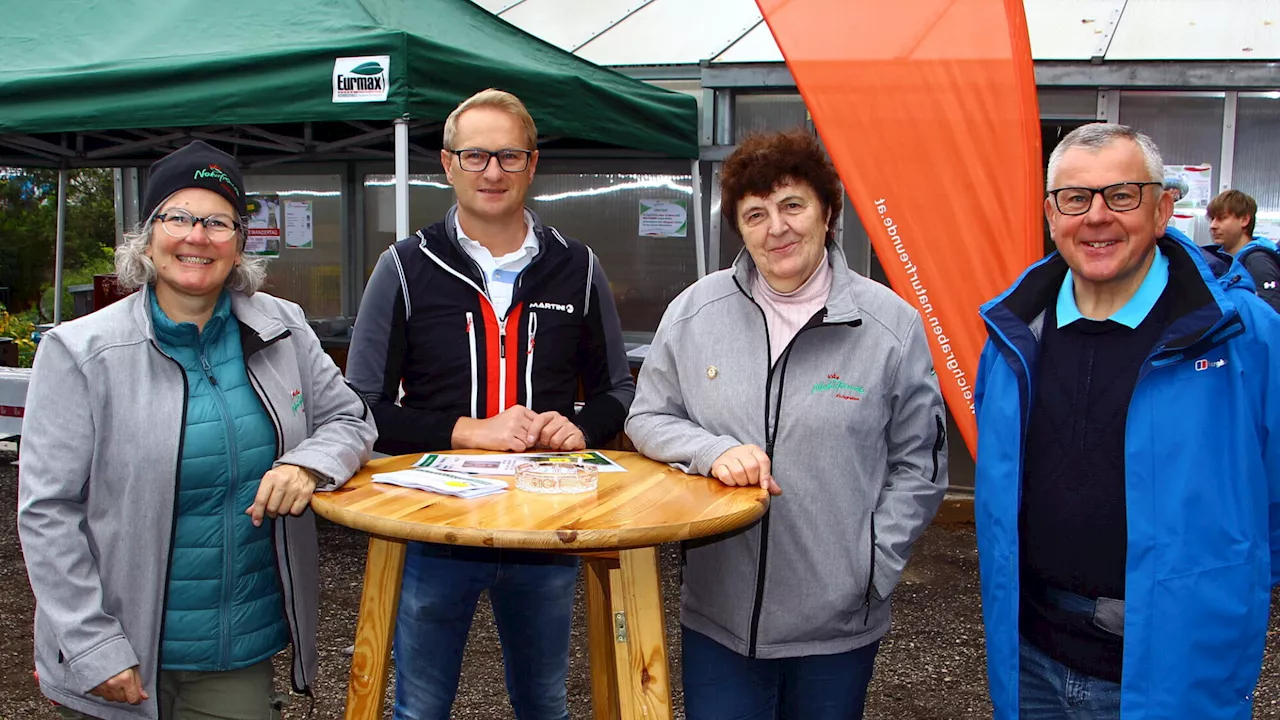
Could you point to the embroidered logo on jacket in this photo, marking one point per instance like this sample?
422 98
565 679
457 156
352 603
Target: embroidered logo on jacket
841 389
552 306
296 404
1202 365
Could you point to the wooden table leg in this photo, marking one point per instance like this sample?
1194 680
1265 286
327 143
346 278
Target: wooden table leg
371 663
600 637
644 683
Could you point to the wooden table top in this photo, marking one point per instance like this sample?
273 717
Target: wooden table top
651 503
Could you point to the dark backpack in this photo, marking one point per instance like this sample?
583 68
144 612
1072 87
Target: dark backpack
1261 259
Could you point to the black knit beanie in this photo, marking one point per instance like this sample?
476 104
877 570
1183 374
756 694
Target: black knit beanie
198 165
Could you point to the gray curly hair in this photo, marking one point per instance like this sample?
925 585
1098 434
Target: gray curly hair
134 269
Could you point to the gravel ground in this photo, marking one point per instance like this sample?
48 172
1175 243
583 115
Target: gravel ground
930 666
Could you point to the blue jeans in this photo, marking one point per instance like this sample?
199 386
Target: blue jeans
532 598
720 684
1049 690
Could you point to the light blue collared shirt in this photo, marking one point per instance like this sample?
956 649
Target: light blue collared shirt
501 272
1134 311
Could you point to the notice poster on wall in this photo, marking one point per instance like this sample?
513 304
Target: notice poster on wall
664 218
298 234
264 226
1192 185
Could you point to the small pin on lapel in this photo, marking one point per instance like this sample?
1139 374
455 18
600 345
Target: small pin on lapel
712 372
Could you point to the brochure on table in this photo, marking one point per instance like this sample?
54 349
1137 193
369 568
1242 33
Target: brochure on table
444 483
504 465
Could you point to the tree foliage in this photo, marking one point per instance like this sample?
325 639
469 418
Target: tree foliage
28 228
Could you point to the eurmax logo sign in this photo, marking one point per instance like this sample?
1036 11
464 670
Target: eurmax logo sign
361 79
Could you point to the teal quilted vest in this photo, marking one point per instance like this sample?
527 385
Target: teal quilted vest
224 609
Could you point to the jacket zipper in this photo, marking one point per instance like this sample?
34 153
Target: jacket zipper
591 270
938 442
1025 401
271 411
228 510
288 596
471 341
483 290
770 438
502 364
871 573
173 521
528 364
762 563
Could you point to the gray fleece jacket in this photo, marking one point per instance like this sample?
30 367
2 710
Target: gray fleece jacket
853 419
97 478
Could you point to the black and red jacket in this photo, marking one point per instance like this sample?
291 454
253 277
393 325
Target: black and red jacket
426 323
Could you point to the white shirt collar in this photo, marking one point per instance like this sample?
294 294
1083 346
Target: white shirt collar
530 244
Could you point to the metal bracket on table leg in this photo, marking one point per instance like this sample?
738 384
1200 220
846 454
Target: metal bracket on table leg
620 627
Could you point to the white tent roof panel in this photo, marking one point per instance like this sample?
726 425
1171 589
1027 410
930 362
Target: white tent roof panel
673 32
569 24
755 46
1059 30
1070 29
496 6
1198 30
686 32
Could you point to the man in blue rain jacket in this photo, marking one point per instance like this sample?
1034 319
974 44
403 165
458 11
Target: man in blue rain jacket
1233 216
1126 563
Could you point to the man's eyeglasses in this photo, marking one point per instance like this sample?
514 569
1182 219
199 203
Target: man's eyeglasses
179 223
1121 197
476 160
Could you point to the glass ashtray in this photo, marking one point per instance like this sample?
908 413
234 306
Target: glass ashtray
556 477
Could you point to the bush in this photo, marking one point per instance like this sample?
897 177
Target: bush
20 327
101 263
28 227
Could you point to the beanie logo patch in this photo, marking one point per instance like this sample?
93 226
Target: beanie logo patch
213 172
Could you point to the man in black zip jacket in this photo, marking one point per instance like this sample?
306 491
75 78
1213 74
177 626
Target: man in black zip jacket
488 322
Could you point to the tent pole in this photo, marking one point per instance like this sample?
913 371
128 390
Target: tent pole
60 254
699 236
402 178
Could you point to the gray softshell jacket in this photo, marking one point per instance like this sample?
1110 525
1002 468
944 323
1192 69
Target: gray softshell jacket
96 486
853 419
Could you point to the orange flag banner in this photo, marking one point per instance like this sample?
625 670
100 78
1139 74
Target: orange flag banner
928 108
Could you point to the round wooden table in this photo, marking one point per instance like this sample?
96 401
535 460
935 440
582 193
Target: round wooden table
615 528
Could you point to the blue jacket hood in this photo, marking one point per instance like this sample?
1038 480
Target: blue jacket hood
1258 244
1218 260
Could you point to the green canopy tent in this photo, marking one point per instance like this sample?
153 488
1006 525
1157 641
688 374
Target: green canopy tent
88 83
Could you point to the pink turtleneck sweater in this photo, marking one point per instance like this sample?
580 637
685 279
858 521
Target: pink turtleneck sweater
786 313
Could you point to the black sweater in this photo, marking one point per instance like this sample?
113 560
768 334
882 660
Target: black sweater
1073 523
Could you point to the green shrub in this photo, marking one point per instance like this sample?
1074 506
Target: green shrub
101 264
20 327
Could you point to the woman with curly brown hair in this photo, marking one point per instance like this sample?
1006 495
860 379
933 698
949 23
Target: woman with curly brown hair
783 619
